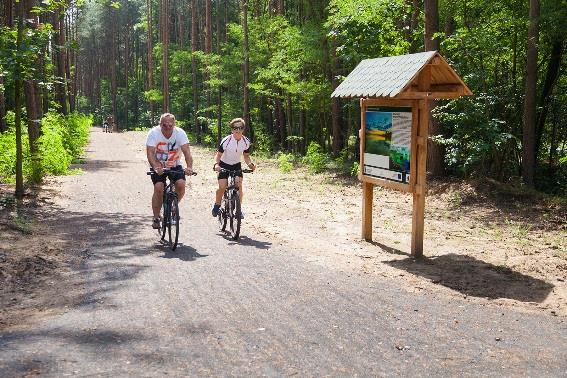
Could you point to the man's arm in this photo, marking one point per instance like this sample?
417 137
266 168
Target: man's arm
154 163
188 158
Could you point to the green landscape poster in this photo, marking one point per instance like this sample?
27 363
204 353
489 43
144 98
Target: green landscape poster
388 141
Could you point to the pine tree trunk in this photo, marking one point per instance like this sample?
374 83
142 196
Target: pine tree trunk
150 73
434 150
59 41
3 125
126 74
194 47
18 108
246 76
337 143
548 86
528 138
208 50
165 57
68 61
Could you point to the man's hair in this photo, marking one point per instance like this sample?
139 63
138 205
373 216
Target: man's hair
237 120
166 115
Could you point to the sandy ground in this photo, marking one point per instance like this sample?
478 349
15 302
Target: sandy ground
481 243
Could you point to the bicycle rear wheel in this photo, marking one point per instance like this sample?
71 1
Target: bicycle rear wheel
173 229
235 216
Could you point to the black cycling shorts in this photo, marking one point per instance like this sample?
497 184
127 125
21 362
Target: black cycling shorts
175 173
230 167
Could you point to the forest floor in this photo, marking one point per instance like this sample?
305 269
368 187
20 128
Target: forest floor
484 241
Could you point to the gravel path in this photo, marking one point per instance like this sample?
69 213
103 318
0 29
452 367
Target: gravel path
253 308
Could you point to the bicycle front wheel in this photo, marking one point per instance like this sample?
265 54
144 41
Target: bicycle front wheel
173 229
235 216
164 218
223 214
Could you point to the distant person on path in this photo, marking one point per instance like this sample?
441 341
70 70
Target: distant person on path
110 123
164 145
105 127
228 156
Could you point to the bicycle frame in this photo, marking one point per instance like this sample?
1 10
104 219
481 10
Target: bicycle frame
230 206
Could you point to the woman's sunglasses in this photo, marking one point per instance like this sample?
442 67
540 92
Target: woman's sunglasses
237 128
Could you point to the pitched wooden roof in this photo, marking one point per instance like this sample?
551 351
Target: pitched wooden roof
418 75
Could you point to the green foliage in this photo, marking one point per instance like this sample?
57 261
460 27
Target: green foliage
355 170
55 157
153 95
62 140
367 28
315 158
285 162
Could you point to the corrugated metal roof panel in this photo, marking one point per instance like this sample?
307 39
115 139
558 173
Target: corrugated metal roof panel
382 77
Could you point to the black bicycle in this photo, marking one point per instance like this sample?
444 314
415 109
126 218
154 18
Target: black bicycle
169 213
230 211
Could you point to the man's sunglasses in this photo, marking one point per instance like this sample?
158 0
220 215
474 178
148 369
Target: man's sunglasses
237 128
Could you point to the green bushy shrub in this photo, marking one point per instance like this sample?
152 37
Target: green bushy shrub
315 158
285 162
55 158
62 140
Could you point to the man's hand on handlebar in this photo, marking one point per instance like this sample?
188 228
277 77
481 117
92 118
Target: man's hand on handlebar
188 171
158 170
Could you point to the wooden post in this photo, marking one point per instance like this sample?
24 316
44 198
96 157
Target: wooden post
367 200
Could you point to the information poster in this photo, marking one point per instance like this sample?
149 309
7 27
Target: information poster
388 141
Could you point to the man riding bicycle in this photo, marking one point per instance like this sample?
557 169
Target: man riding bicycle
164 145
228 156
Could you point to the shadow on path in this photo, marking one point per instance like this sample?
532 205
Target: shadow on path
477 278
182 252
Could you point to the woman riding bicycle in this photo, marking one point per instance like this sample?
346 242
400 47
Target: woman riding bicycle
164 145
231 149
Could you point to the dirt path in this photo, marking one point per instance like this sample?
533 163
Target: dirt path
300 294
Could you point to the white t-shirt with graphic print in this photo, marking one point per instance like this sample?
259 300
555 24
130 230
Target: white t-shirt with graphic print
233 149
168 150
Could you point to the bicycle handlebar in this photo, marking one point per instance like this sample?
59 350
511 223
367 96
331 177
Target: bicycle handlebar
167 170
236 170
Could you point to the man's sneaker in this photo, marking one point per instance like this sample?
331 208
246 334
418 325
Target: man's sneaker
216 210
155 223
240 215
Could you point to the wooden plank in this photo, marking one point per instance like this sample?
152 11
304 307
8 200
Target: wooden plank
361 132
367 200
418 214
386 183
427 95
413 147
387 102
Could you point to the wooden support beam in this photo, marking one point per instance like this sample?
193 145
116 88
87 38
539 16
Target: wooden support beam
367 200
418 214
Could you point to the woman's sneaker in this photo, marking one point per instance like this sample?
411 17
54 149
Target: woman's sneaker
216 210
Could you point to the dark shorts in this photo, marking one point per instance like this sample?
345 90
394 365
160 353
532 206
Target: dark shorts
230 167
176 173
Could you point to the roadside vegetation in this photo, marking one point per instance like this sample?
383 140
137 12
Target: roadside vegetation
62 141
